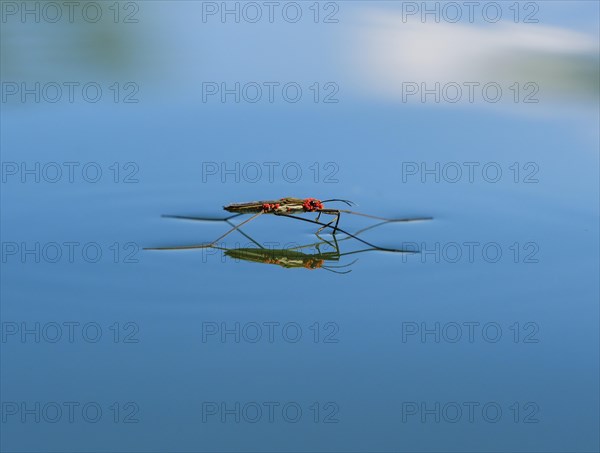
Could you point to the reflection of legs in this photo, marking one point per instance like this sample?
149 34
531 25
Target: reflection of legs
334 245
326 241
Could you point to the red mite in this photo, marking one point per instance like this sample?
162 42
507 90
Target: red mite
289 205
312 204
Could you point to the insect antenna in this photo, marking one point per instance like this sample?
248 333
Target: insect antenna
343 265
336 272
348 202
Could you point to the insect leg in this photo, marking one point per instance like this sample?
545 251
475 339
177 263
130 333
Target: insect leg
334 212
203 246
337 221
383 218
348 234
236 227
202 219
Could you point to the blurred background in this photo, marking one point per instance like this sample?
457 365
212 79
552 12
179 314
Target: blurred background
482 115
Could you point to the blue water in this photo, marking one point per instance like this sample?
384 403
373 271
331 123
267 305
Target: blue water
486 340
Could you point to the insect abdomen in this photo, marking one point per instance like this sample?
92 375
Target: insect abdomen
244 207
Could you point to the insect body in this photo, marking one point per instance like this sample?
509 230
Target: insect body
281 206
289 207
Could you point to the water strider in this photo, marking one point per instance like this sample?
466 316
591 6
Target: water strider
287 207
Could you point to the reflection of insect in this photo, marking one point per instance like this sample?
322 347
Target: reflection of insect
287 207
294 257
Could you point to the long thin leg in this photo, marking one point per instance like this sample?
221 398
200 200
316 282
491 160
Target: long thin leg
202 219
345 211
246 235
202 246
337 220
346 233
325 241
349 236
236 227
371 227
